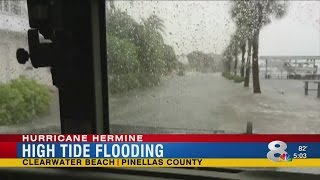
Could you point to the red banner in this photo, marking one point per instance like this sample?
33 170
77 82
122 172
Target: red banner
160 138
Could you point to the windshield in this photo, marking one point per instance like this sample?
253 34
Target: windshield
208 65
183 67
212 66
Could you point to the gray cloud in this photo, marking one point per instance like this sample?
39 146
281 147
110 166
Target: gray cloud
206 26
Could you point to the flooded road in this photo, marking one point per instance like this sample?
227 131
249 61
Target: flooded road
203 103
210 102
200 102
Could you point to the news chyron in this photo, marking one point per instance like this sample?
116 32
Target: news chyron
166 150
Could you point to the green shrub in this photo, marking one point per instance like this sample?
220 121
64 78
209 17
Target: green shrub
238 79
181 73
122 56
22 100
228 75
126 82
123 82
149 79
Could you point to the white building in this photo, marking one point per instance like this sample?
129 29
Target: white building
13 35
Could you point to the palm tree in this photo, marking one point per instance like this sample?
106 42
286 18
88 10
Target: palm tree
241 16
227 59
252 15
243 52
262 13
235 49
154 22
152 44
154 26
248 63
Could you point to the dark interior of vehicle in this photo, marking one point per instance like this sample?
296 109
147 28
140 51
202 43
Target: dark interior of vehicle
76 55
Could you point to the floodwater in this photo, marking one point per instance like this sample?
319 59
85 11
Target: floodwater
205 102
197 102
209 101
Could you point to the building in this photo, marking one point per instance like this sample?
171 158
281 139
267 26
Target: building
13 35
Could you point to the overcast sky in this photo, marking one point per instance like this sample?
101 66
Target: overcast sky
207 26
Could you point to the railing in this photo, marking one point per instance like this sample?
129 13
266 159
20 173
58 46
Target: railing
306 87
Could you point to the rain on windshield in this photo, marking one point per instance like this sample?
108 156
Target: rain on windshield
188 66
215 65
198 66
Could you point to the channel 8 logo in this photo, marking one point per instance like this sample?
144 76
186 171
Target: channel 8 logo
278 147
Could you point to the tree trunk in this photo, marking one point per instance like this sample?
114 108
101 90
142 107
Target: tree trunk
255 49
255 63
248 64
243 51
227 65
235 64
